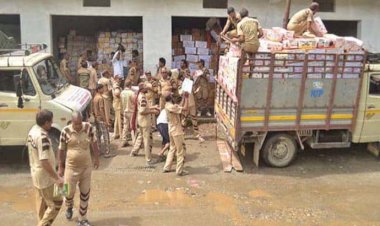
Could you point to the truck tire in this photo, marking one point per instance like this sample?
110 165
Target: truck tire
279 150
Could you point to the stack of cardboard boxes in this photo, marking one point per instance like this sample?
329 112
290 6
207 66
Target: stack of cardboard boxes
107 42
192 48
75 45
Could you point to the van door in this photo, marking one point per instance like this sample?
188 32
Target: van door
15 122
371 121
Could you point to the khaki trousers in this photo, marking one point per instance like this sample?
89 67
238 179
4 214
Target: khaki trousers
162 102
107 108
143 136
47 206
82 178
127 125
176 148
117 125
192 114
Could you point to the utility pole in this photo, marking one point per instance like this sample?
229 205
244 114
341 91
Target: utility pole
287 12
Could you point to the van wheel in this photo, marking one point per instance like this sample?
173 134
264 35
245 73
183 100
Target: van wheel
279 150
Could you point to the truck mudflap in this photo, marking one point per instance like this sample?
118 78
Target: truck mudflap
227 126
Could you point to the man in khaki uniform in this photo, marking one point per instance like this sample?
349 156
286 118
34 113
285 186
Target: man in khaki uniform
116 90
232 20
249 31
82 57
165 85
176 134
42 168
98 108
93 78
127 102
64 67
105 80
144 122
201 88
84 75
302 21
152 86
75 144
133 74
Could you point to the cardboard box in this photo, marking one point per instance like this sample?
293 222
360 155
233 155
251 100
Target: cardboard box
203 51
190 50
201 44
175 38
188 44
192 58
352 44
179 58
186 38
206 58
193 66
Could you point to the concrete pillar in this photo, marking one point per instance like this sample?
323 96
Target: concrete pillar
35 27
157 35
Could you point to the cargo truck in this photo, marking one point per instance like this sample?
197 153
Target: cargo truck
280 102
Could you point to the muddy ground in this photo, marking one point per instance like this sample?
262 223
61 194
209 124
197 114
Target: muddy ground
325 187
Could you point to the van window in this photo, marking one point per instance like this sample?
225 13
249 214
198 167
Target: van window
49 76
7 80
374 85
27 85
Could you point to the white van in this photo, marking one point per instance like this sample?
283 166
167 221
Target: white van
28 83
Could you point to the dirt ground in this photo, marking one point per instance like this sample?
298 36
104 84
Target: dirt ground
325 187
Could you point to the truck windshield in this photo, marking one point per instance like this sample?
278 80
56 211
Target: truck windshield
49 76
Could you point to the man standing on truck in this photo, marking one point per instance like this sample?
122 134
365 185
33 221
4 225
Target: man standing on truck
303 20
248 31
98 107
232 21
42 168
64 67
77 166
176 134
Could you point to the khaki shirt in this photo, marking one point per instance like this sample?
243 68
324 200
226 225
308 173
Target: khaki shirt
174 119
77 145
159 75
98 108
201 85
63 66
302 16
143 106
250 29
127 100
107 83
184 73
165 85
93 79
40 148
116 90
152 92
133 76
79 62
84 77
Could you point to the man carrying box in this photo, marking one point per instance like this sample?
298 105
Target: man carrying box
303 20
232 21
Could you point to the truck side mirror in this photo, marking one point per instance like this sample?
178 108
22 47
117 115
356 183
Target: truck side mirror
18 83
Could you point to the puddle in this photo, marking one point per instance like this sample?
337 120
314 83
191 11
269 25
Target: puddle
172 198
259 194
18 199
225 205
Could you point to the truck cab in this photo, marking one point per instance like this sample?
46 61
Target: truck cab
30 81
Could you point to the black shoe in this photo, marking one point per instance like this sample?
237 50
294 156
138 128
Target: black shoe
84 223
69 213
183 173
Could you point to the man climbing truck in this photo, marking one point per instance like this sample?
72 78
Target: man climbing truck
280 101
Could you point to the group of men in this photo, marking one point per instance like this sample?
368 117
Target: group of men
246 31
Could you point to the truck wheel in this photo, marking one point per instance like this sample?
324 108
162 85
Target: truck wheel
279 150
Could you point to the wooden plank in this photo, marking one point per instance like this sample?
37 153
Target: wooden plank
234 159
225 155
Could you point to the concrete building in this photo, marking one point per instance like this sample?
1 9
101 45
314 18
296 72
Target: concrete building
36 18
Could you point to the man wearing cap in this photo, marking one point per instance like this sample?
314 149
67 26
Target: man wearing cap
105 80
303 20
127 102
165 85
143 113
